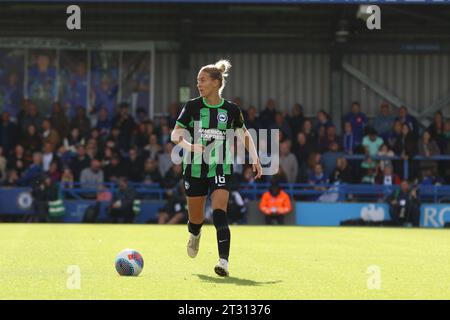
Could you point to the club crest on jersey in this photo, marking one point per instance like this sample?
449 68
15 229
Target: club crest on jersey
222 117
186 185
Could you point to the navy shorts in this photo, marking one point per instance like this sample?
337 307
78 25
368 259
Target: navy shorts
196 187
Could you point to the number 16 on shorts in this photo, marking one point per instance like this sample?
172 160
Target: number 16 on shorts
220 181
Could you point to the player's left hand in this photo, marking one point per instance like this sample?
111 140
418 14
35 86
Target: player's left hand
258 169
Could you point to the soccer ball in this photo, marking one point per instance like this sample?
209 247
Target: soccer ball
129 262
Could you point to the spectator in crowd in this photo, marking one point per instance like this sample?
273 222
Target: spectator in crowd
395 135
323 121
280 175
429 178
33 171
116 139
49 135
64 157
151 173
54 171
348 139
317 177
409 120
59 120
122 204
296 119
330 138
288 162
427 148
404 205
406 146
12 178
104 123
31 141
125 122
32 117
385 152
67 178
135 165
80 162
73 140
18 160
302 149
358 120
436 128
43 191
82 122
252 121
329 158
370 171
164 159
384 121
164 136
8 133
153 148
114 169
48 156
92 176
342 173
275 204
140 137
172 177
267 116
387 177
175 209
95 136
310 134
282 125
372 143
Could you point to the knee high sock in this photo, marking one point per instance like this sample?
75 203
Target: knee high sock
223 233
194 228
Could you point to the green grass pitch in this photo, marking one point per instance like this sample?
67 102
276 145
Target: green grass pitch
265 263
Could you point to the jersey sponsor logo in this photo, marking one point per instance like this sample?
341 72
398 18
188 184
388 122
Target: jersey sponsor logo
222 117
209 134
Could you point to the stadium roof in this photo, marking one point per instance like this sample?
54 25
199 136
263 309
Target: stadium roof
244 26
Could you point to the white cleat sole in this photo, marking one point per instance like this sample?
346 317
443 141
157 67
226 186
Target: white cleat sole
221 271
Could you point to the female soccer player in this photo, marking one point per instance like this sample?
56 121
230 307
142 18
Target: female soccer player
207 119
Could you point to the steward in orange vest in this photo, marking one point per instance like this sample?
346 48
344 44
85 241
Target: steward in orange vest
275 204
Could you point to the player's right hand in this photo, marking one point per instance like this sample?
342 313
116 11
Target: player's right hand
197 148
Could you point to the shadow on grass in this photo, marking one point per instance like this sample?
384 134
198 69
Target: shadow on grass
234 280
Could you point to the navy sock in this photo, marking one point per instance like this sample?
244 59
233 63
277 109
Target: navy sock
194 228
223 233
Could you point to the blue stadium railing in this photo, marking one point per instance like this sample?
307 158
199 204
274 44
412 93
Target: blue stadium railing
342 192
300 191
